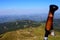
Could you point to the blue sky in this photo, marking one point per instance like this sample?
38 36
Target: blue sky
11 7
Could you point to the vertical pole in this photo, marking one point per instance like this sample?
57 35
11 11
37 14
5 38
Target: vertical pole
49 22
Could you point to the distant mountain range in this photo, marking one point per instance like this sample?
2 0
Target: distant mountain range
35 17
24 21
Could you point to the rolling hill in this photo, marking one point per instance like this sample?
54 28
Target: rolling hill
31 33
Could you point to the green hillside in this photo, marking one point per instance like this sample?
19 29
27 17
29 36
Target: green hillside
31 33
15 25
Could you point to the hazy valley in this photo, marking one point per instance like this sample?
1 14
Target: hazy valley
26 27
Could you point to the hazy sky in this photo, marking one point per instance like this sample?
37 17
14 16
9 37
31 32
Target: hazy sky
13 7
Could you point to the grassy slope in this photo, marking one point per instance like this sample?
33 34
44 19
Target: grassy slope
32 33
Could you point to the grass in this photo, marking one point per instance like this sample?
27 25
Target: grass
32 33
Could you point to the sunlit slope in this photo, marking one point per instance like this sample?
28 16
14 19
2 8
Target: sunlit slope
32 33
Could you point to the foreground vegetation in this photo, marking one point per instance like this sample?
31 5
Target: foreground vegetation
31 33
